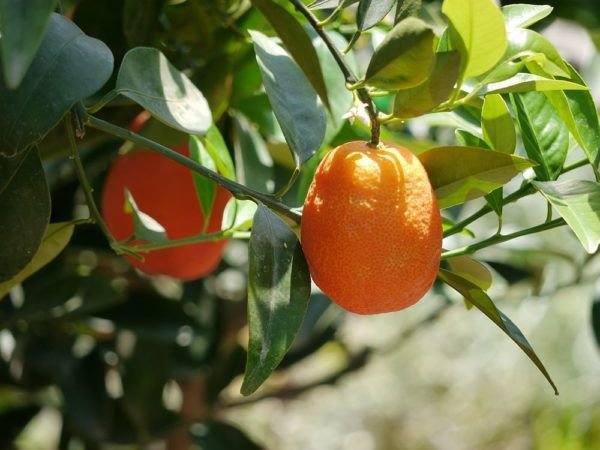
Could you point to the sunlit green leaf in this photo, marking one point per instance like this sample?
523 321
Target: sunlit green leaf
293 99
472 270
55 239
149 79
238 214
497 124
433 92
25 212
545 136
23 25
476 296
526 82
278 295
578 202
523 16
478 32
68 67
405 58
459 174
297 43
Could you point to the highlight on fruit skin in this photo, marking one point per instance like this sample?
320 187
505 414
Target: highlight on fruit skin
371 228
164 190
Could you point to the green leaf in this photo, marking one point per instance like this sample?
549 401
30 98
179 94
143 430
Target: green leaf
278 295
371 12
23 25
585 115
527 43
149 79
253 161
294 101
448 224
459 174
421 99
526 82
55 239
68 67
578 202
477 30
205 188
146 227
484 303
472 270
405 58
217 149
407 8
297 42
25 206
497 124
596 318
330 4
523 16
545 136
238 214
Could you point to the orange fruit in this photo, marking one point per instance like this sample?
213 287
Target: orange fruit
165 190
371 228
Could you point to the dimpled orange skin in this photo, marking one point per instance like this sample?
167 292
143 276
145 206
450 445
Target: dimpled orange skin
371 228
165 190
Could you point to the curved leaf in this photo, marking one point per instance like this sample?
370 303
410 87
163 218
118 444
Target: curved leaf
578 202
523 16
23 25
371 12
293 99
459 174
205 188
278 295
405 58
217 149
25 207
497 124
297 43
149 79
472 270
478 298
68 67
526 82
476 29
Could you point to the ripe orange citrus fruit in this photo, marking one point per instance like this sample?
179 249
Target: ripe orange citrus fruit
371 228
164 190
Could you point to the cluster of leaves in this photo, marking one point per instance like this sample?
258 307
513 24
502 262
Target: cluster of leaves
260 111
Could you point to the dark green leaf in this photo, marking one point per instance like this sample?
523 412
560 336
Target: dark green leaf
477 30
149 79
497 124
545 136
371 12
215 435
23 25
68 67
434 91
459 174
253 162
55 239
578 202
297 42
278 295
476 296
523 16
405 58
25 206
205 188
407 8
448 224
294 101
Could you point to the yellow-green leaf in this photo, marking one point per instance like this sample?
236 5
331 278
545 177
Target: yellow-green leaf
497 125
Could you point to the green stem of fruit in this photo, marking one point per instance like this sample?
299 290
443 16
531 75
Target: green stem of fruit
498 238
238 190
95 215
351 79
525 190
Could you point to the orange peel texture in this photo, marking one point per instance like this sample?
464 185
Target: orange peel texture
371 228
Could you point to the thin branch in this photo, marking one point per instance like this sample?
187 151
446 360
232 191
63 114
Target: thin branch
351 79
238 190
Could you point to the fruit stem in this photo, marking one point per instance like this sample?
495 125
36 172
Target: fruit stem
238 190
498 238
351 79
95 215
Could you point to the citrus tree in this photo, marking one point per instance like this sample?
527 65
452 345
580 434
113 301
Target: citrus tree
139 137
